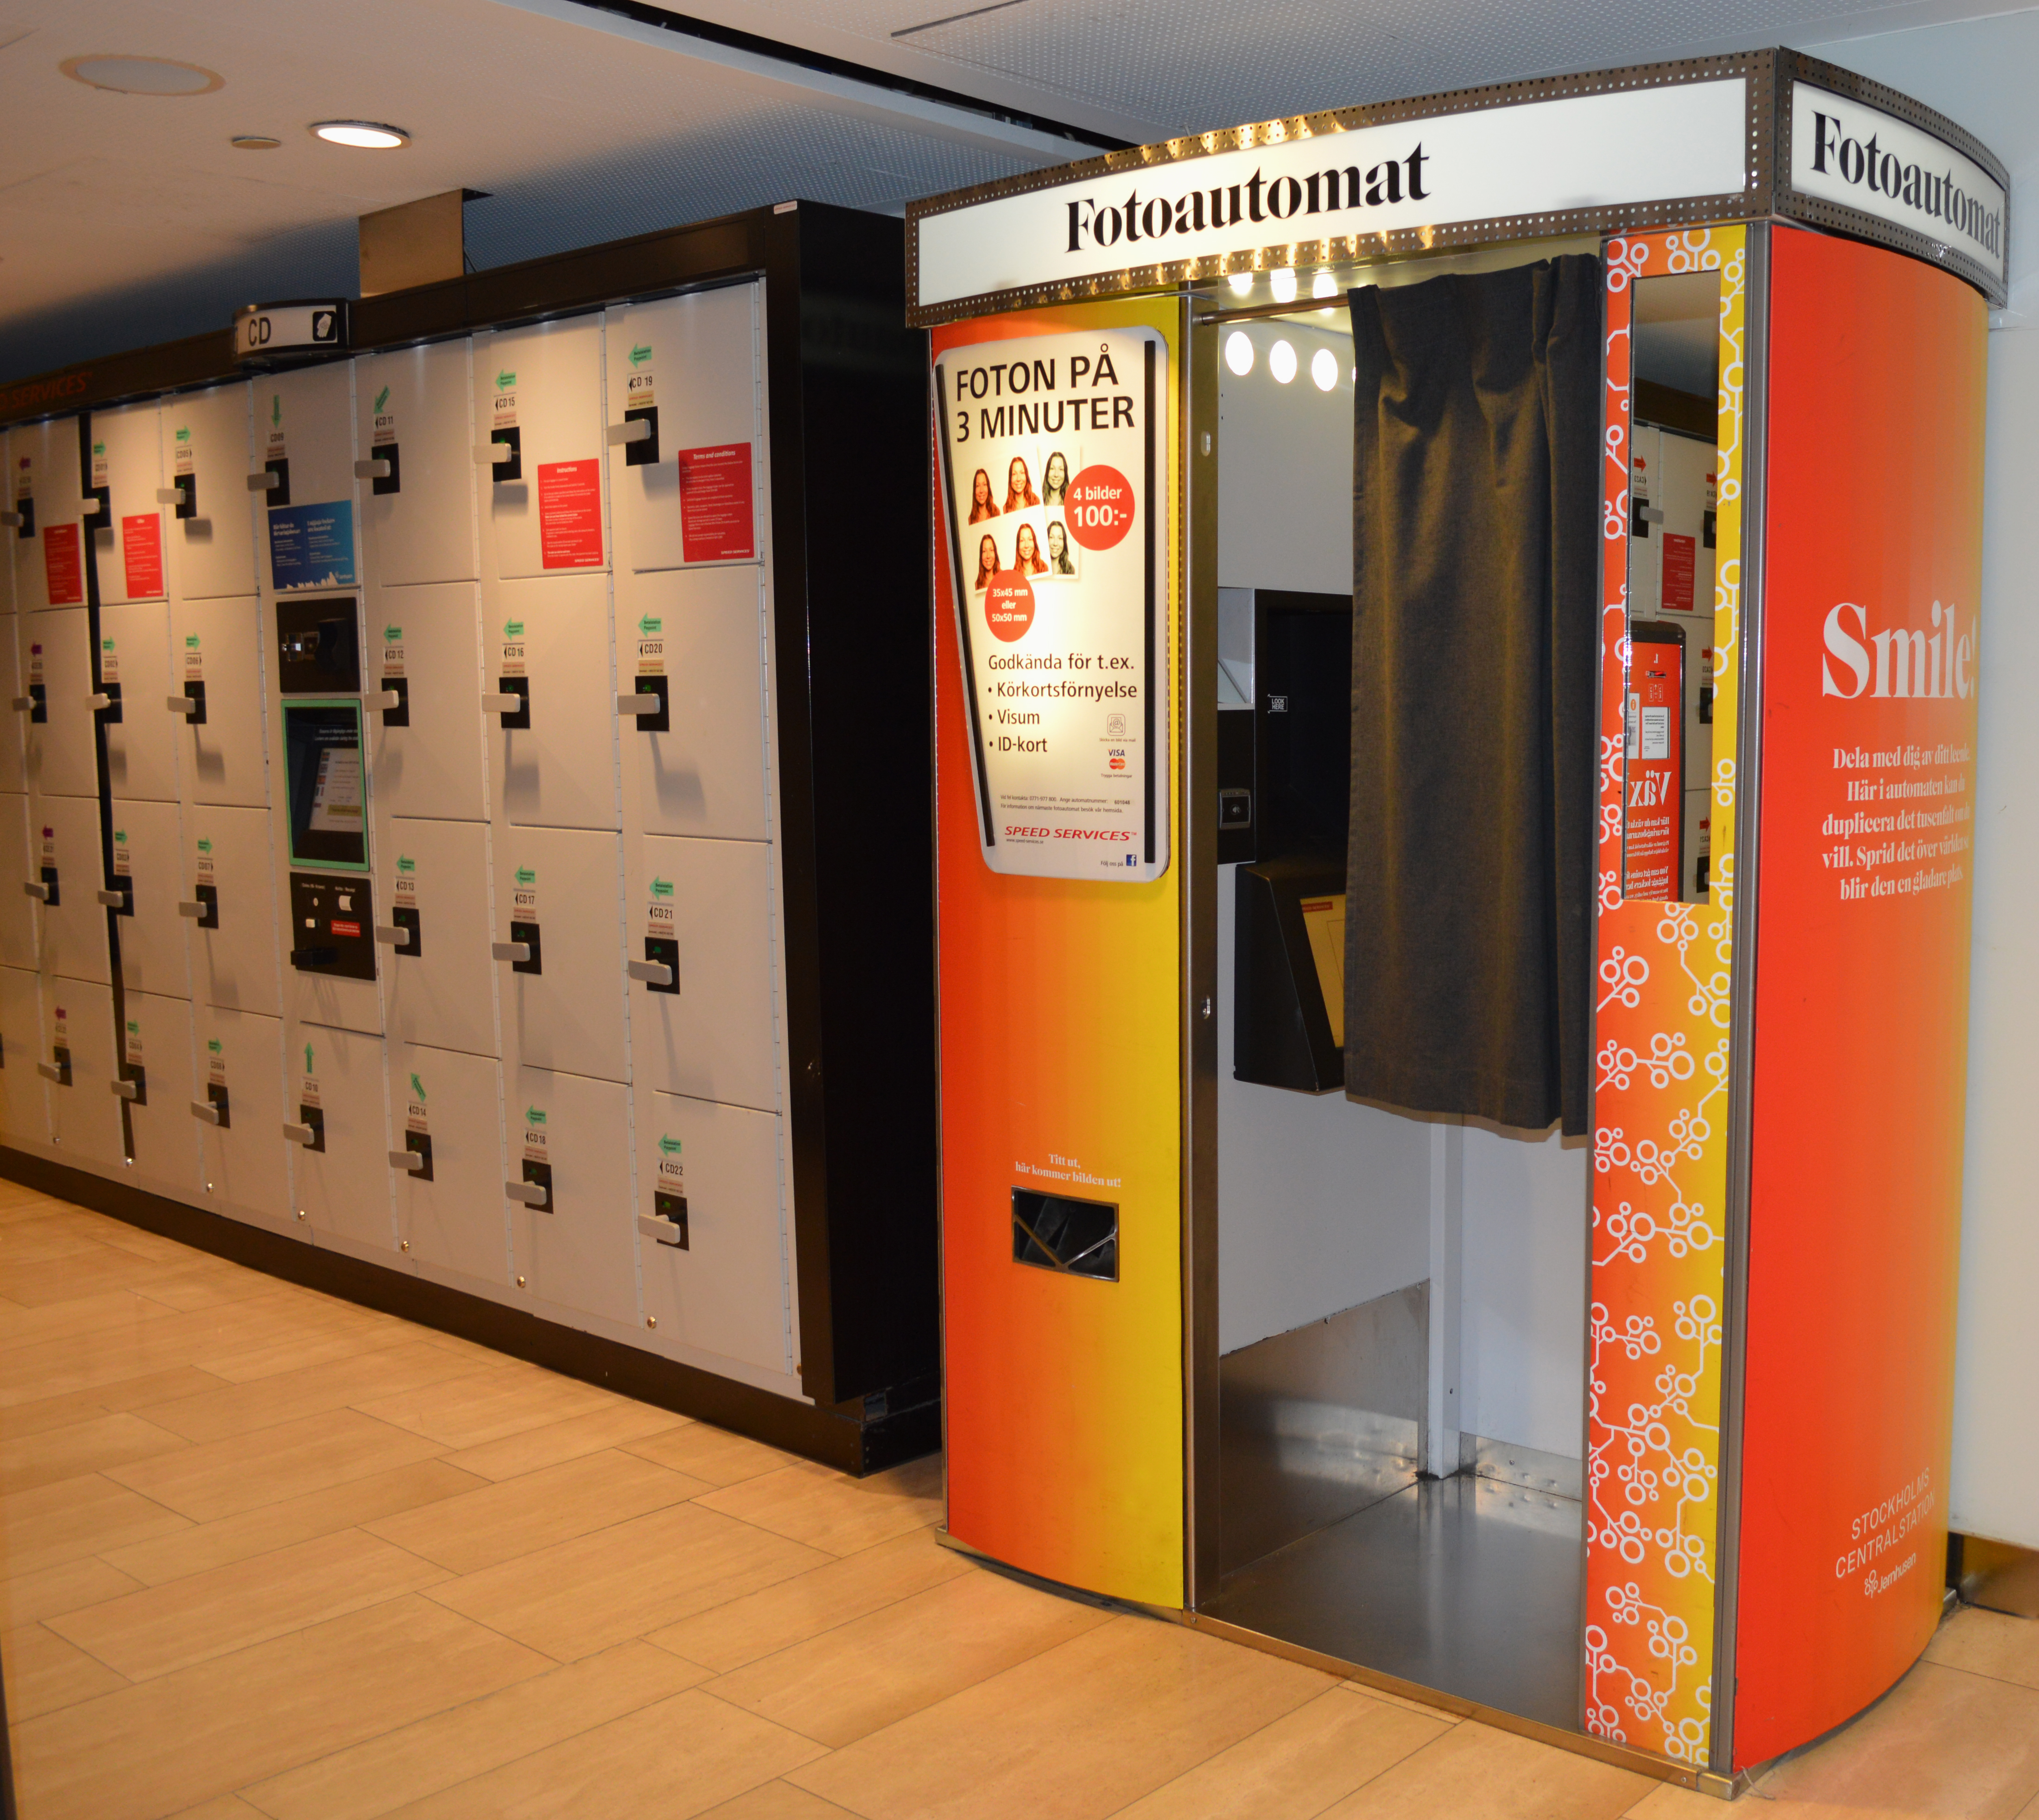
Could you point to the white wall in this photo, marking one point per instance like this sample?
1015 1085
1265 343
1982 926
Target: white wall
1980 73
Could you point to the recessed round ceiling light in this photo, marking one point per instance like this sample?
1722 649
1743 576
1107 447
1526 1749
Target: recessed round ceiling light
368 134
142 75
1282 283
254 142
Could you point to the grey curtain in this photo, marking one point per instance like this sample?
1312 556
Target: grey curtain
1476 557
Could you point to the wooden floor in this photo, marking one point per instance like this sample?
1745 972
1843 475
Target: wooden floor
267 1553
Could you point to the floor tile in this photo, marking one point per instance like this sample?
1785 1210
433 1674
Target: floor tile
1942 1742
823 1508
89 1446
675 1760
1990 1643
712 1454
140 1392
45 1673
190 1289
92 1270
775 1801
222 1807
485 1406
101 1325
186 1738
850 1680
1076 1733
74 1518
577 1597
741 1630
553 1442
1473 1772
370 1779
50 1592
163 1627
1667 1801
194 1548
497 1523
1296 1767
37 1241
263 1402
221 1477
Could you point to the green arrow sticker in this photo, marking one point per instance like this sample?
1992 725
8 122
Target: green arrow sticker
639 355
513 628
648 625
533 1116
406 863
276 408
190 641
393 635
308 1058
661 887
526 876
212 1043
99 448
381 399
184 435
417 1088
669 1147
134 1028
205 847
505 380
120 836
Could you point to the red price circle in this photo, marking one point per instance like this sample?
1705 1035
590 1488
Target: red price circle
1100 507
1008 605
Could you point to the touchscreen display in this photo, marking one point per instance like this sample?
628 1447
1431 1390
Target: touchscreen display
328 802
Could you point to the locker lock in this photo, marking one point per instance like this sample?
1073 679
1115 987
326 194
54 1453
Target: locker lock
300 1135
651 972
375 470
40 893
509 950
113 899
266 481
169 496
205 1111
409 1160
125 1089
638 429
530 1193
393 938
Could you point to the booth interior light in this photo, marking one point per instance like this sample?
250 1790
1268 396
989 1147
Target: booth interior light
368 134
1323 285
1282 281
1323 369
1281 361
1239 352
1241 283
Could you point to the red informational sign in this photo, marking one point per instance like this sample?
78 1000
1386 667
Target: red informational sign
63 568
717 521
1653 795
1874 567
1680 564
1008 605
1100 507
141 554
570 514
349 929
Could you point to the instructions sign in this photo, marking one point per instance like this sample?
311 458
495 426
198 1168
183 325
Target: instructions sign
64 567
1054 460
717 521
141 554
570 514
312 546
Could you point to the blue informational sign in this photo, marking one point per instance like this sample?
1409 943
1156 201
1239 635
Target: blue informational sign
312 546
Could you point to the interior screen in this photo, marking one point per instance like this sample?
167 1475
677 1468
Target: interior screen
328 804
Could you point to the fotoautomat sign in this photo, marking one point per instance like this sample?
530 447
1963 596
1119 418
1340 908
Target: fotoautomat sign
1053 465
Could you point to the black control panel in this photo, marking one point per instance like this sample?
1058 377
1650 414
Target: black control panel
332 927
318 638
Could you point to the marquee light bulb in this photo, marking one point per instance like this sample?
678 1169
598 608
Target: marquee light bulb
1323 369
1283 284
1241 283
1282 363
1323 285
1239 353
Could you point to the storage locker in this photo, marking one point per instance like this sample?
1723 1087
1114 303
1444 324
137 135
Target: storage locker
712 1217
21 921
46 495
156 1049
237 1104
413 419
16 703
566 1178
537 394
432 897
553 750
230 901
74 921
127 461
85 1115
303 441
62 754
559 950
446 1112
136 670
705 908
211 525
148 870
333 1112
216 687
427 752
25 1113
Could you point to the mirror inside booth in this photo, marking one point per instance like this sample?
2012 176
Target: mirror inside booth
1402 1293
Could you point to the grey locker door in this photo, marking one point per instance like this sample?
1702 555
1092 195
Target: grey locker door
21 921
312 412
716 1038
126 448
569 1016
553 634
63 757
581 1257
417 521
25 1113
725 1291
547 380
148 842
205 435
74 927
234 966
157 1034
343 1189
245 1162
85 1117
46 460
456 1221
218 642
441 983
703 629
142 746
434 764
13 691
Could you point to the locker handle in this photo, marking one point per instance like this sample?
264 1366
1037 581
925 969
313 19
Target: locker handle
652 1225
97 702
494 454
528 1192
387 697
50 1072
652 972
637 704
511 951
375 470
409 1160
503 703
10 518
184 704
205 1110
125 1089
88 507
114 900
393 938
638 430
169 496
40 893
299 1134
24 703
266 481
195 912
1650 515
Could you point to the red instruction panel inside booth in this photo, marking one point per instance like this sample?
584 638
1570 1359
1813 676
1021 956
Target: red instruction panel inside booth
717 521
570 514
